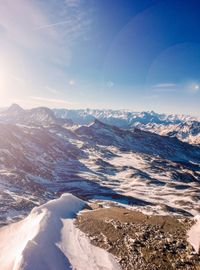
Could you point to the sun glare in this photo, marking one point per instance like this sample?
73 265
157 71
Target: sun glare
72 82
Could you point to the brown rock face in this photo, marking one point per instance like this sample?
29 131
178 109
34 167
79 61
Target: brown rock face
140 241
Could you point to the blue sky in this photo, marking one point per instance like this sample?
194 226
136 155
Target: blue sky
126 54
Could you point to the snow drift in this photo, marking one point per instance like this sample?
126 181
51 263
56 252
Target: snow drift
48 239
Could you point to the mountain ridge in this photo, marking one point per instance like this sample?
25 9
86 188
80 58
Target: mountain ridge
184 127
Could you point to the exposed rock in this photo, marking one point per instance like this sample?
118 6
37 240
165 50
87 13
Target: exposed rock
140 241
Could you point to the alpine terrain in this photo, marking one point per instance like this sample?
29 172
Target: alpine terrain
104 189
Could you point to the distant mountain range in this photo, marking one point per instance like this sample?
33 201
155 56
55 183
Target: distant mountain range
16 114
121 118
185 128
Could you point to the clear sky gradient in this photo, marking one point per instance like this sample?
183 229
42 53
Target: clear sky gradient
126 54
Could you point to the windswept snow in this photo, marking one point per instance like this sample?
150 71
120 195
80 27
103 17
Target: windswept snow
14 239
194 235
48 239
81 253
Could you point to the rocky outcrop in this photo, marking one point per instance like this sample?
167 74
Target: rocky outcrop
140 241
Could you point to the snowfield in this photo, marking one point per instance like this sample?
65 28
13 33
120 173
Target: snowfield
48 239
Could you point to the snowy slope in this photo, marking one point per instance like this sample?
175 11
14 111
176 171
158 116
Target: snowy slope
194 234
188 131
38 163
48 239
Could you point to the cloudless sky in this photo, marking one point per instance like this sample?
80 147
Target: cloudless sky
129 54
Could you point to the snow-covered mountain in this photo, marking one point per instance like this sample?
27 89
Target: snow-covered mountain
62 235
40 115
41 159
120 118
185 128
48 239
187 131
44 155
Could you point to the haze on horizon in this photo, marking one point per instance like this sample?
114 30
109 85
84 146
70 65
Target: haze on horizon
137 55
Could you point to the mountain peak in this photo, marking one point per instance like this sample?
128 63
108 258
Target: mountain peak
41 114
42 110
15 108
99 124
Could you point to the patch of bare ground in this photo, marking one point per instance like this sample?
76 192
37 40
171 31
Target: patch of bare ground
139 241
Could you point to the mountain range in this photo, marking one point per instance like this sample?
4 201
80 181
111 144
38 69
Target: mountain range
184 127
44 154
137 176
